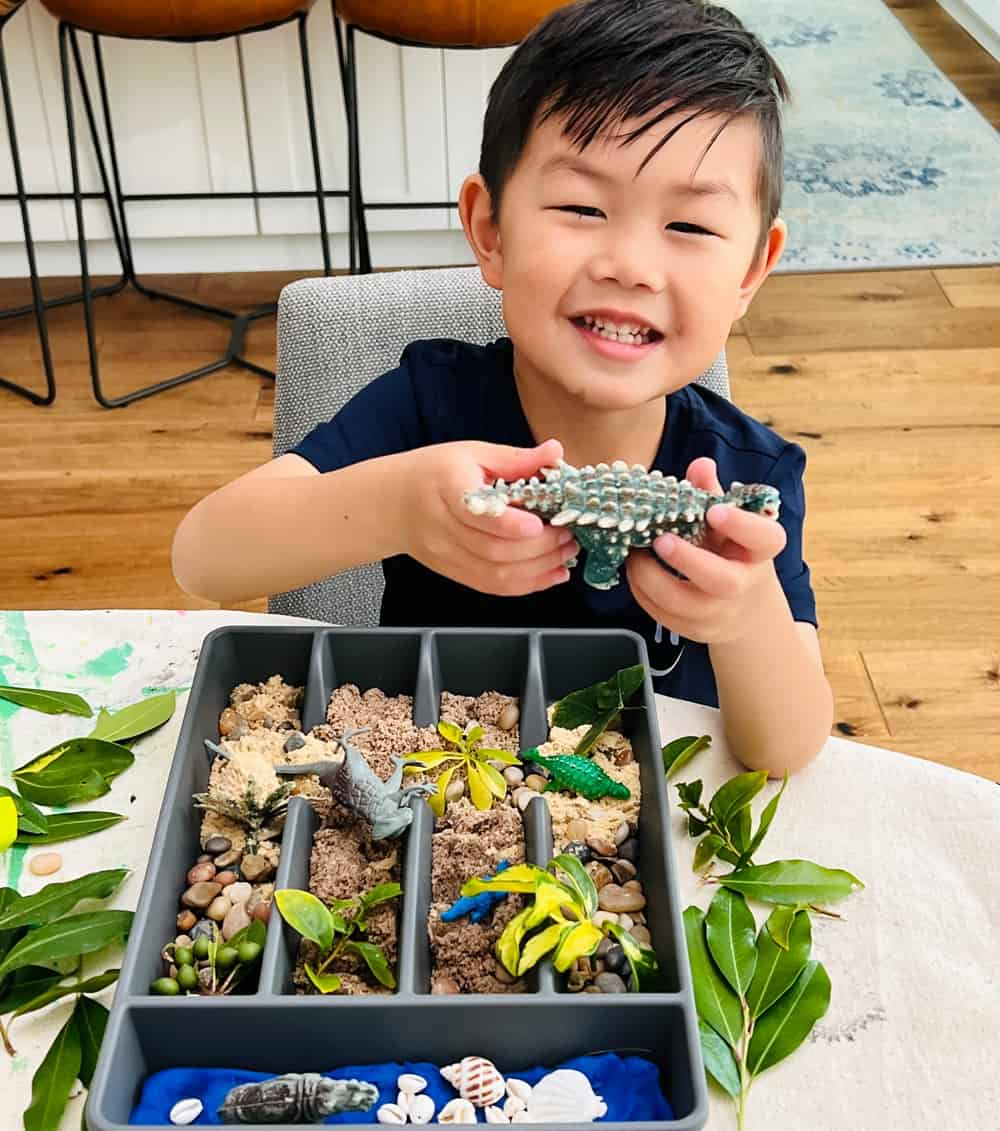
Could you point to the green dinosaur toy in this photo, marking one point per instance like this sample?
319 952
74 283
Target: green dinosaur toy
578 775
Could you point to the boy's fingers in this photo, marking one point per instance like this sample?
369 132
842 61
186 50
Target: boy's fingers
513 523
702 473
762 538
500 461
712 574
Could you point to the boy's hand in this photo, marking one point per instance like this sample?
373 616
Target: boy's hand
509 555
725 575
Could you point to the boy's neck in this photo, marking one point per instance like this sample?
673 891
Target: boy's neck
592 436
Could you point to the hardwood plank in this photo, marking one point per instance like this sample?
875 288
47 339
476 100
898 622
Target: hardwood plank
857 712
964 286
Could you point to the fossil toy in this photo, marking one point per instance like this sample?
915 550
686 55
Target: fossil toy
579 775
297 1097
385 805
477 907
613 508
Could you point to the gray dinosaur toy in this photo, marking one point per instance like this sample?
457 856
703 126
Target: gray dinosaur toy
385 805
613 508
297 1097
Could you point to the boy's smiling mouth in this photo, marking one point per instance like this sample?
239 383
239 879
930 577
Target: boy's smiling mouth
620 335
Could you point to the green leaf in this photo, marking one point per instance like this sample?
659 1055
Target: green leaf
303 912
67 762
24 985
778 967
56 899
523 878
704 854
90 787
68 937
428 759
736 793
91 1021
787 1023
55 1076
729 932
716 1002
54 993
678 753
779 924
509 943
8 823
479 790
589 703
504 756
135 720
473 736
31 819
642 959
69 826
689 793
538 946
451 733
597 728
719 1061
48 702
792 881
766 817
375 960
580 881
438 800
325 983
579 940
380 894
696 827
738 827
495 781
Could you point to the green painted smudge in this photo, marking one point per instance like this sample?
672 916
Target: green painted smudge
24 662
109 663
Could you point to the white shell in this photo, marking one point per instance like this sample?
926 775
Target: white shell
495 1115
476 1079
390 1113
564 1096
513 1105
411 1083
457 1111
520 1089
186 1111
421 1109
403 1102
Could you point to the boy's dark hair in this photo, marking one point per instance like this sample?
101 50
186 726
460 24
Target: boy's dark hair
597 63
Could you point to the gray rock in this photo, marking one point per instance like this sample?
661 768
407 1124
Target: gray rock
580 851
295 741
629 850
200 895
228 858
258 868
202 929
624 870
609 983
513 775
218 844
615 959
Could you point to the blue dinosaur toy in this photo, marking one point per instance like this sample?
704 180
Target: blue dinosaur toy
477 907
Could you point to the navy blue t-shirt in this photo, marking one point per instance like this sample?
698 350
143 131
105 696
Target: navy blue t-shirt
447 390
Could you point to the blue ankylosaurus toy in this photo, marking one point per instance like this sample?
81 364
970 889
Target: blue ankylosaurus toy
477 907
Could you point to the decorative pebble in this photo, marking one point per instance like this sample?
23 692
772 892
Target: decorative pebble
202 858
444 984
623 870
575 981
201 872
239 893
601 917
625 921
236 920
523 797
390 1113
411 1083
513 775
617 899
255 868
204 928
295 741
601 846
577 830
262 912
228 858
632 885
496 1115
454 790
536 782
225 878
205 977
476 1079
218 844
457 1111
580 851
421 1109
45 864
615 959
502 974
186 920
218 909
603 947
186 1111
621 833
599 874
507 719
641 934
199 896
629 850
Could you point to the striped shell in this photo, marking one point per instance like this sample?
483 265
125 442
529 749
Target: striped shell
564 1096
476 1079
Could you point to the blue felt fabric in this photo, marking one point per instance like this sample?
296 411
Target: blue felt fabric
629 1084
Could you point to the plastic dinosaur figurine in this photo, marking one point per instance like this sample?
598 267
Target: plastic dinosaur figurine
579 775
613 508
385 805
478 907
296 1097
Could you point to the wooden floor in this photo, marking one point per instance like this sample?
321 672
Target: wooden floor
889 379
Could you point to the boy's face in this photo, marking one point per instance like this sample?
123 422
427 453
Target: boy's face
622 286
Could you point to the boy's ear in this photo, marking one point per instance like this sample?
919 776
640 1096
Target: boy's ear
762 266
476 211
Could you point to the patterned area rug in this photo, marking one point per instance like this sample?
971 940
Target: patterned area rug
887 164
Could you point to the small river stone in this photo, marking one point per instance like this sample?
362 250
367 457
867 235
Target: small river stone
502 974
601 846
199 896
609 983
454 790
228 858
629 850
225 878
201 872
295 741
532 768
599 874
615 959
580 851
236 919
255 868
624 870
641 934
218 844
536 782
45 864
603 947
621 833
599 918
617 899
523 797
632 885
513 775
204 928
218 908
186 920
577 829
508 717
239 893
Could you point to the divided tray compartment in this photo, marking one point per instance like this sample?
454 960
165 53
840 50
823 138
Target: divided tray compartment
276 1030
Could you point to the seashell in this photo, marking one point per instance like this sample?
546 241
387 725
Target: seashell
421 1109
390 1113
185 1111
475 1079
564 1096
411 1083
513 1105
519 1089
457 1111
495 1115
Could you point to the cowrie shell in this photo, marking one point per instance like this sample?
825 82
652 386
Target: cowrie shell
421 1109
520 1089
513 1105
186 1111
495 1115
403 1102
457 1111
411 1083
390 1113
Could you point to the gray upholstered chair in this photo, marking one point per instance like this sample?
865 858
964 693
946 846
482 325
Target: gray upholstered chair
337 334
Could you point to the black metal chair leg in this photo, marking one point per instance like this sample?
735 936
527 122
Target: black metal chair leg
356 199
38 305
314 141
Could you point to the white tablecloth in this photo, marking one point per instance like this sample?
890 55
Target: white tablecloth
911 1037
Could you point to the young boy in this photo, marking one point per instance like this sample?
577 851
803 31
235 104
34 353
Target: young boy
626 206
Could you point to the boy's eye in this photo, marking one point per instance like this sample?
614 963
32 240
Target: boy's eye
693 229
579 209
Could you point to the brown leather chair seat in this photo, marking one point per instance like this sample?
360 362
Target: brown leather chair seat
174 19
448 23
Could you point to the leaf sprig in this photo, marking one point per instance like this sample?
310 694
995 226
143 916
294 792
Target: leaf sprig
598 706
485 781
